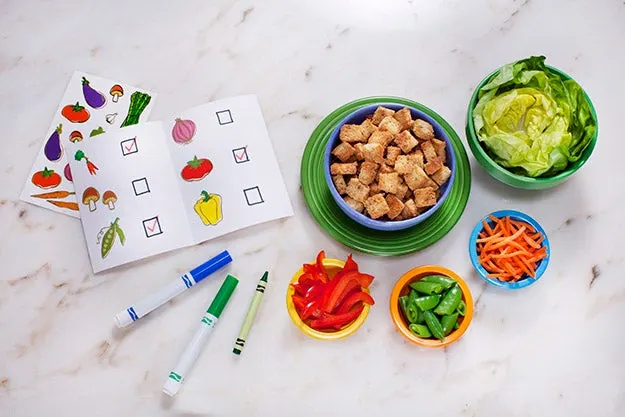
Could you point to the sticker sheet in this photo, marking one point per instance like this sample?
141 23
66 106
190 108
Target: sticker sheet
90 107
159 186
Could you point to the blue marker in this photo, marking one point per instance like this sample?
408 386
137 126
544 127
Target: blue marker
152 302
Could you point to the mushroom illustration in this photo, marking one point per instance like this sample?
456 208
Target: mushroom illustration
116 91
75 136
109 198
89 197
110 118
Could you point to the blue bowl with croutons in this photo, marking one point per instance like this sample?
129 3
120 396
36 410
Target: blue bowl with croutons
389 167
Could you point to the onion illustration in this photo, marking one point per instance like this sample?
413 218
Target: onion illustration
183 131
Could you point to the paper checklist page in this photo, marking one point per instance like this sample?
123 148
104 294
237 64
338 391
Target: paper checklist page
227 172
131 206
90 106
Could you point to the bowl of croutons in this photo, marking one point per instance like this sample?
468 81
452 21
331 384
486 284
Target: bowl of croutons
388 166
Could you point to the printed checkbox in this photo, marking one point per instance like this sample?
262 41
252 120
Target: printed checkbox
129 146
253 196
141 186
152 227
240 155
224 117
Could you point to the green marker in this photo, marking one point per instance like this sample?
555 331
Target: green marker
194 348
251 313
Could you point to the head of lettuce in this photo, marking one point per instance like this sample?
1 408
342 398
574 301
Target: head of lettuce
532 121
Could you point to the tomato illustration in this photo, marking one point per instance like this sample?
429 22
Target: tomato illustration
196 169
46 179
75 113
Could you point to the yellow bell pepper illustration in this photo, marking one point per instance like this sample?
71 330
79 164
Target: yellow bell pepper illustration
208 207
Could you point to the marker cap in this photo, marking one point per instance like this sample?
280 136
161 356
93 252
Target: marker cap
223 295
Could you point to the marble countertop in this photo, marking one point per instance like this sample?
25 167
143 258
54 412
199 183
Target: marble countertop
553 349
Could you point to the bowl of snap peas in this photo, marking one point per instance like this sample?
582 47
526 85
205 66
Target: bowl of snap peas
431 306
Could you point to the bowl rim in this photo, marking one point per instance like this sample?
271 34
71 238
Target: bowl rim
476 145
316 334
400 323
517 215
360 218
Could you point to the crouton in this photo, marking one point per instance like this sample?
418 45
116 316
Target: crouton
376 206
433 165
402 191
417 159
357 190
392 152
422 129
339 183
368 127
395 206
344 151
410 209
373 152
382 137
428 150
439 147
352 133
406 141
389 182
373 188
368 172
390 124
343 169
404 118
381 113
403 164
356 205
442 175
385 169
424 197
358 152
417 178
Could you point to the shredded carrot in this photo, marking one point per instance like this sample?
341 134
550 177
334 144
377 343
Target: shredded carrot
509 250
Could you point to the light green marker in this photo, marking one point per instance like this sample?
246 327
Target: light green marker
251 313
194 348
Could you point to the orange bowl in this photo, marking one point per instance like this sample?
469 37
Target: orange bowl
332 266
402 288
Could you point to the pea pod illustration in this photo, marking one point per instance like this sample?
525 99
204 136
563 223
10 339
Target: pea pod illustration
111 234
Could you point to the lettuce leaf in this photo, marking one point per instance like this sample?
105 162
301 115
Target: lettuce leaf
532 121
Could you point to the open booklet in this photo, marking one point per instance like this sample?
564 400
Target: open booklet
159 186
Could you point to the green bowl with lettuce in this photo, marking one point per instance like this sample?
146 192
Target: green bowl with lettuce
530 125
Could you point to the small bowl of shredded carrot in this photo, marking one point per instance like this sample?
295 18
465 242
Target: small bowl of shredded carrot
509 249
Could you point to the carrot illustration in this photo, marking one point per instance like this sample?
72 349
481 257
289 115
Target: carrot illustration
64 204
53 194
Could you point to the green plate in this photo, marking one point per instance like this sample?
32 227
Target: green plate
346 231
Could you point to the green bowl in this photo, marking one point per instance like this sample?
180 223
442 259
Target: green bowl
508 177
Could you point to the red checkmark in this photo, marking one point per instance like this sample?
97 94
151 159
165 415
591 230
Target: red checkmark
130 146
241 155
153 227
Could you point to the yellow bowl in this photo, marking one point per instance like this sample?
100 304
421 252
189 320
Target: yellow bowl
332 266
402 288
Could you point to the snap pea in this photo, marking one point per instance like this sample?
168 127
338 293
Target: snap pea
462 308
421 318
434 325
412 296
420 330
109 239
427 287
428 302
403 304
448 323
450 301
412 313
456 326
446 282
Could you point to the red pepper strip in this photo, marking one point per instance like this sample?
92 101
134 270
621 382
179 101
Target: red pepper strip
321 270
315 291
350 264
339 291
311 310
353 299
335 301
299 289
299 303
336 320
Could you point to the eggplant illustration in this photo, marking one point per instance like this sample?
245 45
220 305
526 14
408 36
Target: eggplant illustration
53 150
93 97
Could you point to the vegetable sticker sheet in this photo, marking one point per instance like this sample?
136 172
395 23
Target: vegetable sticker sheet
160 186
91 106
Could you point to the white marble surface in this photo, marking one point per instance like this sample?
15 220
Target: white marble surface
553 349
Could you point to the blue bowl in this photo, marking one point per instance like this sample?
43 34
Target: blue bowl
358 117
515 215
